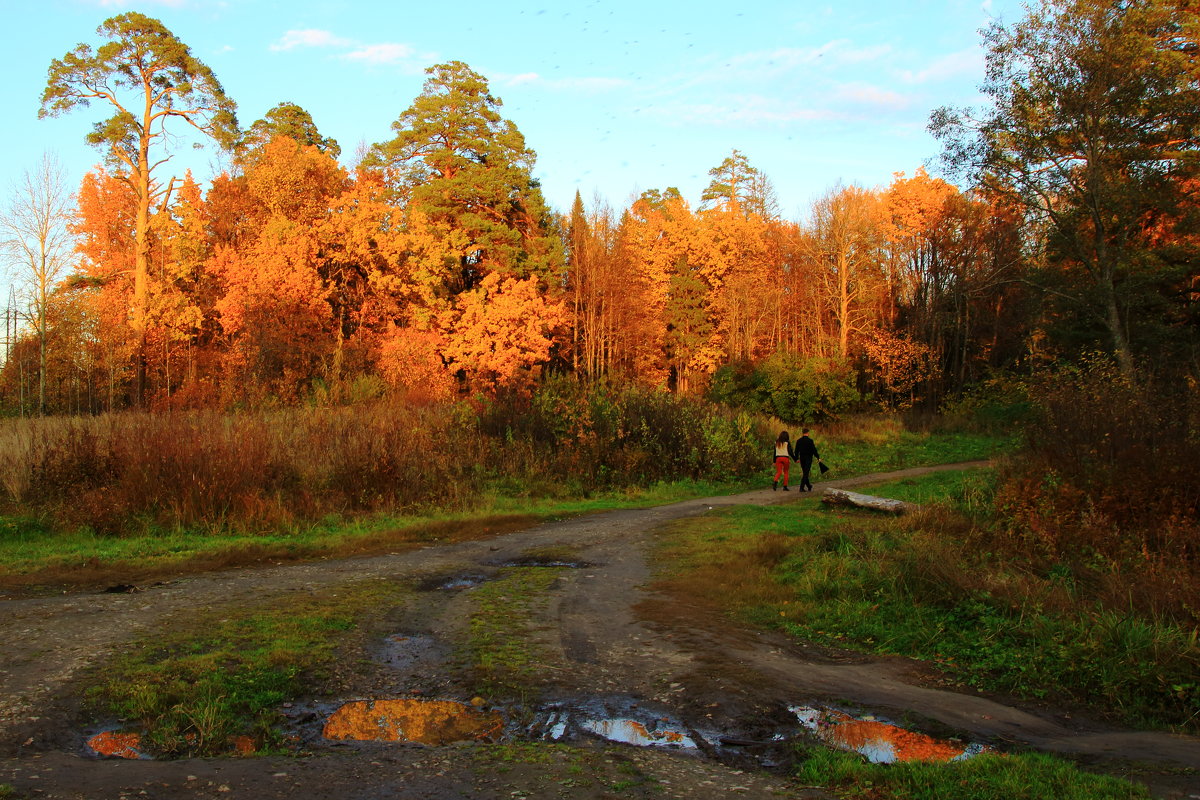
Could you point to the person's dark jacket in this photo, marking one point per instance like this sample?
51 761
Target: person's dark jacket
806 450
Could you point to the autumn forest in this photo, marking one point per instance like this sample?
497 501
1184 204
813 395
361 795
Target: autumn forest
432 267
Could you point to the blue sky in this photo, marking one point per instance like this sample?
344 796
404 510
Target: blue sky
615 97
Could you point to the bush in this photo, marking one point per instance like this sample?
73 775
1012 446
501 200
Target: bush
1105 486
795 389
211 470
994 405
269 469
603 437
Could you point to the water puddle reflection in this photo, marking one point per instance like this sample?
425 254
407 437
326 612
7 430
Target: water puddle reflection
454 583
880 742
117 744
630 731
432 722
616 720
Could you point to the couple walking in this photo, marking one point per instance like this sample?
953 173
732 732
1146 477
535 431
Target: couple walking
804 452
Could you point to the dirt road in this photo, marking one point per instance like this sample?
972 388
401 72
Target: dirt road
615 651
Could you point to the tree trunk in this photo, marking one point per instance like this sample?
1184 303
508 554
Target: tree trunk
841 497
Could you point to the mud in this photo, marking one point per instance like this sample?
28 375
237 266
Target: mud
621 663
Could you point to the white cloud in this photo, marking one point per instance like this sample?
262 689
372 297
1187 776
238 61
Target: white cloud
310 37
385 53
861 94
523 78
352 50
953 65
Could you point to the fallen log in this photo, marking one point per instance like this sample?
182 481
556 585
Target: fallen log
841 497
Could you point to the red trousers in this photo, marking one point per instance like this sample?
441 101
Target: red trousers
781 468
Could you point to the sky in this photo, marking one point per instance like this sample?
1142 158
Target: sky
615 96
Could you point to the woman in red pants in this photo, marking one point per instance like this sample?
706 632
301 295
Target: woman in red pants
784 456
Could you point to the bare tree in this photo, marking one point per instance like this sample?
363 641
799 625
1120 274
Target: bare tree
36 244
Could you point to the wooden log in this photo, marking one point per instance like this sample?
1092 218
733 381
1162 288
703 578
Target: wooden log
841 497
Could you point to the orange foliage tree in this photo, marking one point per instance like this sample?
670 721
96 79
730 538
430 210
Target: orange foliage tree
500 333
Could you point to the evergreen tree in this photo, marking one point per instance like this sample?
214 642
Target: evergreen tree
292 121
467 170
150 78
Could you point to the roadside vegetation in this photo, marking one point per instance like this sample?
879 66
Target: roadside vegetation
213 684
985 777
136 497
499 649
925 587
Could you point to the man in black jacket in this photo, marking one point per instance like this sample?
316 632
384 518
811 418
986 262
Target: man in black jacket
806 450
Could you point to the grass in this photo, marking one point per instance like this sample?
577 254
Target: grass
867 445
920 588
195 688
965 490
985 777
38 550
499 649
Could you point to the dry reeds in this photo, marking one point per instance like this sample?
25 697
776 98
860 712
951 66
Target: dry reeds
207 470
212 470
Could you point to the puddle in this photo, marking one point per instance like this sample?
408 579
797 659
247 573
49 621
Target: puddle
116 744
432 722
454 583
408 651
617 720
881 742
535 561
630 731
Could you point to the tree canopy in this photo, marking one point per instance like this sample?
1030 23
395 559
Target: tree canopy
148 77
458 162
292 121
1093 126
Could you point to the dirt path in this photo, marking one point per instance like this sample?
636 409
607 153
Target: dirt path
613 646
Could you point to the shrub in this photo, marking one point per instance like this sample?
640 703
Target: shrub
1105 486
267 469
794 388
